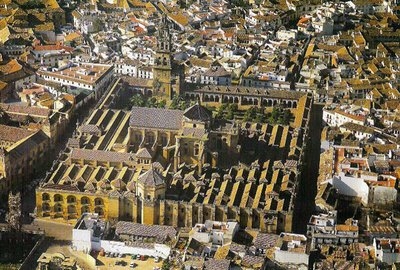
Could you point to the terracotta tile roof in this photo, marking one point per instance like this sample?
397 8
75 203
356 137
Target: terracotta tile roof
156 118
98 155
252 261
179 18
243 91
352 116
91 129
10 67
25 110
13 134
344 227
144 153
3 85
198 113
160 232
151 178
217 72
215 264
193 132
265 240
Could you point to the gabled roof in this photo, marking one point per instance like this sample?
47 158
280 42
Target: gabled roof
155 118
144 153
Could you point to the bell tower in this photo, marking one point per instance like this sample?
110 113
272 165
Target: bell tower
162 70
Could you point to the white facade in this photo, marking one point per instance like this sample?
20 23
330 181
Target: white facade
292 249
153 250
96 84
336 118
215 80
52 59
87 233
386 250
218 233
286 257
351 186
126 69
286 34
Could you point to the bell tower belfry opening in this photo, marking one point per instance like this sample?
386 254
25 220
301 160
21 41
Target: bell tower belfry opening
162 71
167 75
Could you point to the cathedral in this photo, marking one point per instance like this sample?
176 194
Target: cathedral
168 75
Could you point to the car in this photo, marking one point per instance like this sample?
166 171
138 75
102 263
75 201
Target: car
143 257
121 255
107 254
156 259
133 257
132 265
120 262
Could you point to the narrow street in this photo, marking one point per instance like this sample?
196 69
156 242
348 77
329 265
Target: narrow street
305 200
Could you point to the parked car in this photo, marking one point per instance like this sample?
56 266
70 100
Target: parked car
156 259
121 262
134 257
132 265
121 255
107 254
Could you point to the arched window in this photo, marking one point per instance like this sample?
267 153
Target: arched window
71 199
85 200
45 197
45 207
98 201
85 209
99 211
71 209
58 208
58 198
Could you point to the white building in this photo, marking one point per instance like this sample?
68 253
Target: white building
323 229
93 77
216 75
88 234
351 186
361 132
286 34
127 67
387 250
215 232
291 249
337 117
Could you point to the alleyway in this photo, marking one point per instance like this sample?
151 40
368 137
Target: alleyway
305 203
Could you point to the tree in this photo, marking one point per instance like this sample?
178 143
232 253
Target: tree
179 103
166 265
137 101
274 117
14 215
231 111
162 104
220 111
151 103
287 117
260 118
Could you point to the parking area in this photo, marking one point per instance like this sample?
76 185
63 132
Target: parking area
115 263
